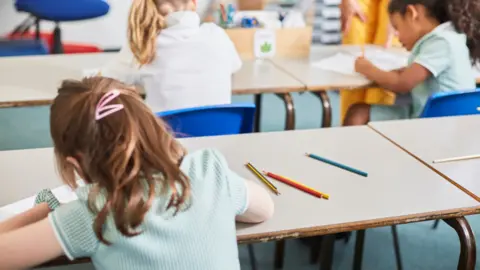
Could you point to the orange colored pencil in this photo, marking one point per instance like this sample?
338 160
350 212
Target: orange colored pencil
297 185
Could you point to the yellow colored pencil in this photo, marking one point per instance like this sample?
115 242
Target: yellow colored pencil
262 178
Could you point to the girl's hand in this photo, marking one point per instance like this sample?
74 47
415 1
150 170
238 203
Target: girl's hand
362 65
350 9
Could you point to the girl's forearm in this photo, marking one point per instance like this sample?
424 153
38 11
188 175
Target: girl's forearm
387 79
31 216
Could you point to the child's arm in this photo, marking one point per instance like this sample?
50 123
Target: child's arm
398 81
29 246
260 205
31 216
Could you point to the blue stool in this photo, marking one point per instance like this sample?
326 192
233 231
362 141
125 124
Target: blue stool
22 47
59 11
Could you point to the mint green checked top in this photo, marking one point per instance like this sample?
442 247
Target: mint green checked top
202 237
445 54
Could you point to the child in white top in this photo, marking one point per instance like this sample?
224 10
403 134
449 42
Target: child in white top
178 61
147 204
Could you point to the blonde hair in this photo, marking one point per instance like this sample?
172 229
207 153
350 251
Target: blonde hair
122 155
146 20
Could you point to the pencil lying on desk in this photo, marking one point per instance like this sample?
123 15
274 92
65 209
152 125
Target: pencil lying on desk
456 159
263 178
297 185
336 164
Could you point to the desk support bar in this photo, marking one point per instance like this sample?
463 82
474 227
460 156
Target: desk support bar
326 108
290 110
468 253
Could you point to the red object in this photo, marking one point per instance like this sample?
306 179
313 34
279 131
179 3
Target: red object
297 185
68 48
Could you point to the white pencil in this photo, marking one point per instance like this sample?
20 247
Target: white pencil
456 159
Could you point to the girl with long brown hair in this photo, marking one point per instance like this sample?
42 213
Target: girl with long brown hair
176 59
146 203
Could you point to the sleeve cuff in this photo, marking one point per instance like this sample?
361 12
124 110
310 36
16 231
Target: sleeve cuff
428 67
51 219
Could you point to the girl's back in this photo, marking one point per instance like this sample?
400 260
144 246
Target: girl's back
200 237
179 62
194 65
145 203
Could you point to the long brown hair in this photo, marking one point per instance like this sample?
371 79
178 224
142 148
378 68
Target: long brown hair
464 14
127 156
146 20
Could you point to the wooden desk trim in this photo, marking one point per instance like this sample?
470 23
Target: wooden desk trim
325 230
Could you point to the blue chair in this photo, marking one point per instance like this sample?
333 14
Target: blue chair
59 11
211 120
452 104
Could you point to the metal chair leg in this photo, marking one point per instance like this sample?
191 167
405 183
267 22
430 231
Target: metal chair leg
279 254
258 111
396 246
359 244
328 244
315 249
251 254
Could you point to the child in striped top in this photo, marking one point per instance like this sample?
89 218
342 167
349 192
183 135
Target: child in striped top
147 204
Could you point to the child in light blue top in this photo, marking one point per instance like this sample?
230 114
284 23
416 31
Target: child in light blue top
444 41
146 204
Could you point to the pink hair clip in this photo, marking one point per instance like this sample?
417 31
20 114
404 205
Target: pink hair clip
104 110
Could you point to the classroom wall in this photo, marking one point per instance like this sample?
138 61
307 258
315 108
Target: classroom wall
107 32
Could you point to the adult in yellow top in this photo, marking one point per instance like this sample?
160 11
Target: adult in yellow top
366 22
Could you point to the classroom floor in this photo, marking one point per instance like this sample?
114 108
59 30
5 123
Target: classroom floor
421 247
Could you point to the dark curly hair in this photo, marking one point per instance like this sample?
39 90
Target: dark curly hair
464 14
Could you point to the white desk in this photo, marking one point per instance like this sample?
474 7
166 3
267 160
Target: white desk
29 81
317 79
398 189
438 138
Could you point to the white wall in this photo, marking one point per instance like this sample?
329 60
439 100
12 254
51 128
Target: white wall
107 31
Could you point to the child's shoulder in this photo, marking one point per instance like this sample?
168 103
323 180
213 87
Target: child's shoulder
213 29
201 163
443 37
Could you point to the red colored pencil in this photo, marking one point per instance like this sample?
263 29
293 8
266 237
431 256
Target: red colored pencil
297 185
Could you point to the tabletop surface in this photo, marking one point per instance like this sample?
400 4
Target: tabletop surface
438 138
398 188
36 78
316 78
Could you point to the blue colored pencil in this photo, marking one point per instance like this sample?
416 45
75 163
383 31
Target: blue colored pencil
345 167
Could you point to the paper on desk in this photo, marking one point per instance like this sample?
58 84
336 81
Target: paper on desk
344 63
64 194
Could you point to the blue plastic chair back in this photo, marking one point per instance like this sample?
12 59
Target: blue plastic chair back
211 120
452 104
63 10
